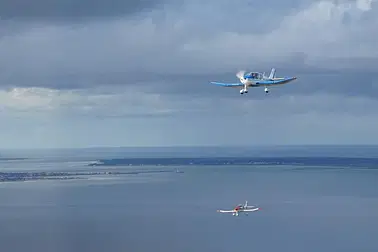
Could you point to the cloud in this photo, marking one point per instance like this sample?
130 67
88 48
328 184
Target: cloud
53 102
364 4
127 102
192 41
318 31
40 117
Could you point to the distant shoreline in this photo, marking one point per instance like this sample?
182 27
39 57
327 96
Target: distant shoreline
135 166
95 153
33 176
201 161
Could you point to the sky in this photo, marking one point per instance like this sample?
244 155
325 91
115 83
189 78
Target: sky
137 73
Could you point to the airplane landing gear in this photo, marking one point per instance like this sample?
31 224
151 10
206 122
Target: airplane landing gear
243 91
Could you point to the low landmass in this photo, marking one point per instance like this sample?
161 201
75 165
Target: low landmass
30 176
294 161
126 164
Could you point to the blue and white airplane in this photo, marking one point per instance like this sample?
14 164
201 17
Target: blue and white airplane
256 79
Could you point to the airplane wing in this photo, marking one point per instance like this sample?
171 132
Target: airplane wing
227 84
225 211
274 82
251 209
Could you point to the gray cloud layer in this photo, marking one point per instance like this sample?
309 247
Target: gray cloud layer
50 10
153 62
188 39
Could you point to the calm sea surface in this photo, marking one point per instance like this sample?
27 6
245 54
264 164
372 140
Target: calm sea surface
303 208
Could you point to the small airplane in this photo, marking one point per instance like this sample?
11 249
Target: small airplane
240 208
256 79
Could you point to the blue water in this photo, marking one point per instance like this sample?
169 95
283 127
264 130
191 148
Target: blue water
321 203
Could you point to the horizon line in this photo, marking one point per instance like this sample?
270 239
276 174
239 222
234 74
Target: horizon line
191 146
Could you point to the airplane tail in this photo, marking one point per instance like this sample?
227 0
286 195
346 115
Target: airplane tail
246 204
272 73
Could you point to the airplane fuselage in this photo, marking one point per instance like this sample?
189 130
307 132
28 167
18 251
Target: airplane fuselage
253 82
240 208
244 210
249 82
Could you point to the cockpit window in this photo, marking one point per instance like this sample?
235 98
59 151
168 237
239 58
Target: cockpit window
255 75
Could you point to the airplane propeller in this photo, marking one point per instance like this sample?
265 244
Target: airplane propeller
240 74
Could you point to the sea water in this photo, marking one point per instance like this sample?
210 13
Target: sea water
313 204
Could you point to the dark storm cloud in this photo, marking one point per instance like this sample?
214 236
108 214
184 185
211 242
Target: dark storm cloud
45 10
